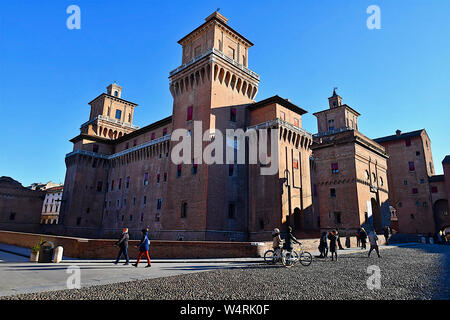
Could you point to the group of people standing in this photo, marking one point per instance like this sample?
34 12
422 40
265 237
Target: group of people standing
144 247
334 239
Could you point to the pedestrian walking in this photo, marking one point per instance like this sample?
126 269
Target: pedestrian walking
363 237
323 245
333 239
373 243
338 235
358 238
386 233
123 245
144 246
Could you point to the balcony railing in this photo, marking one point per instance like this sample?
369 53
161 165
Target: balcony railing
330 132
277 122
108 119
221 55
118 154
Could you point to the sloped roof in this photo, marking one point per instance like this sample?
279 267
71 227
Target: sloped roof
393 137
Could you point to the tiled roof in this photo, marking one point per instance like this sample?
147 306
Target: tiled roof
400 136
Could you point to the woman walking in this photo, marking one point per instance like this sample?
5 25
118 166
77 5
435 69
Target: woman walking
144 246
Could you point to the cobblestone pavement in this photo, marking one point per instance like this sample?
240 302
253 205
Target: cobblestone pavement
414 272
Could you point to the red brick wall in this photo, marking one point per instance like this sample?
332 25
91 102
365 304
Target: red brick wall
105 249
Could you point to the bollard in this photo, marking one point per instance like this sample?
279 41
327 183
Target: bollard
58 256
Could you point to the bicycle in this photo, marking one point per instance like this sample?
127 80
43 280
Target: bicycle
290 258
273 256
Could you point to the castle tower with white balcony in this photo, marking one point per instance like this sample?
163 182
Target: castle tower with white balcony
111 116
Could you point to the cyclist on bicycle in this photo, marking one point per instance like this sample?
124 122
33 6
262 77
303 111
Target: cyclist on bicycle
290 240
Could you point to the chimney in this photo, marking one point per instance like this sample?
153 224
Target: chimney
398 132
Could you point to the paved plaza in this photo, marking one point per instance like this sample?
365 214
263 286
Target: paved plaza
413 271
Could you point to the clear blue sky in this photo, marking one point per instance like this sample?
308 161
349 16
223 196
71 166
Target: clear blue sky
397 77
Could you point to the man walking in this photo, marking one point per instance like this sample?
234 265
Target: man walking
373 243
386 234
123 245
363 237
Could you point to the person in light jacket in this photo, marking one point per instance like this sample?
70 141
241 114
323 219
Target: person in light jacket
373 243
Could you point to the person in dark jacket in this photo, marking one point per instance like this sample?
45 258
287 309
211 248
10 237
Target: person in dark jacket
358 238
386 233
339 240
123 245
363 237
323 245
333 243
144 246
290 240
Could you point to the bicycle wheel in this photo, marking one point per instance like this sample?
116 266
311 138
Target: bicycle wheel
305 258
269 257
289 259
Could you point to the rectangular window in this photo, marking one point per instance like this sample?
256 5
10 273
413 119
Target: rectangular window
146 179
142 216
99 186
333 193
95 147
408 142
230 169
127 145
158 177
296 122
334 168
118 114
78 221
415 190
233 113
145 199
282 116
159 204
153 136
179 170
434 189
128 182
189 113
134 143
164 131
231 210
12 216
120 183
411 166
194 167
184 210
337 217
165 176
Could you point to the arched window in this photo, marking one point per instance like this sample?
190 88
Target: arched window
116 93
